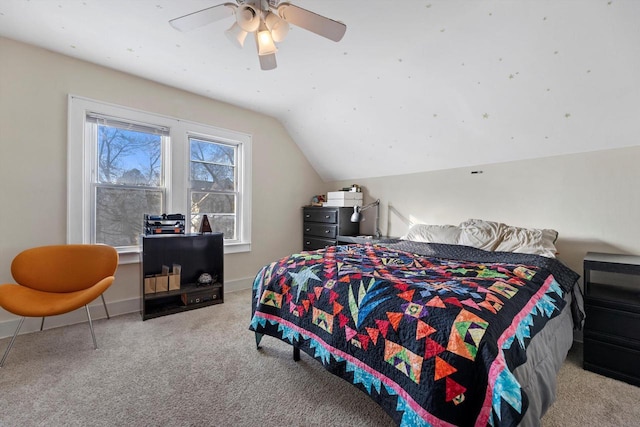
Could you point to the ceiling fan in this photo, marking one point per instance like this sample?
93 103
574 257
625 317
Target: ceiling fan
269 21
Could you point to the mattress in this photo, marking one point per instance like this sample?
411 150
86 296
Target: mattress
545 355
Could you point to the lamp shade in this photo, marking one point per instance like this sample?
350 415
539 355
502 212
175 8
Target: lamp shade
248 18
356 216
279 27
265 41
236 34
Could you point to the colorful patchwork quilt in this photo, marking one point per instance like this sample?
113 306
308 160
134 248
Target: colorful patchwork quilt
432 334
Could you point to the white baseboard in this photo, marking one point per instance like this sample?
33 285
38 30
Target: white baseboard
238 284
116 308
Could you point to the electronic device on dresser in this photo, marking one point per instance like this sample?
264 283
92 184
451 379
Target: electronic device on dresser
323 225
612 308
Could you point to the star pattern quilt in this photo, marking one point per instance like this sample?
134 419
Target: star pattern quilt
430 337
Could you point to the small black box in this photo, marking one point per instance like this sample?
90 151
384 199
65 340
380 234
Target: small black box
202 295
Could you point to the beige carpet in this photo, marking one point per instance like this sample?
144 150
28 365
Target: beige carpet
201 368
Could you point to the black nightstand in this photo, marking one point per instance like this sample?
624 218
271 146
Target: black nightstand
612 308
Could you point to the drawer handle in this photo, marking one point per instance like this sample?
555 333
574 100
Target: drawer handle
327 231
307 216
307 229
307 243
327 216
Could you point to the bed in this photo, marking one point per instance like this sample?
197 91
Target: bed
436 333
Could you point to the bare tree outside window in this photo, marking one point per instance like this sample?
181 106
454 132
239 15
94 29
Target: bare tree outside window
128 183
214 185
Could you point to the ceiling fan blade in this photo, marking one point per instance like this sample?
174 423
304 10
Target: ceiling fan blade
268 62
325 27
203 17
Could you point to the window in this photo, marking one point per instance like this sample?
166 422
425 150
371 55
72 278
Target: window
214 188
128 180
125 163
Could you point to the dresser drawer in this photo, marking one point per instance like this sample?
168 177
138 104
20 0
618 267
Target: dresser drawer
321 215
320 230
612 360
321 226
608 321
313 243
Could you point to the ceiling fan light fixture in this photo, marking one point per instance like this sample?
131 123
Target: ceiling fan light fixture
266 46
268 20
237 35
248 18
279 27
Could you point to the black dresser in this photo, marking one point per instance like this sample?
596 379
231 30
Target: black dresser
612 308
321 226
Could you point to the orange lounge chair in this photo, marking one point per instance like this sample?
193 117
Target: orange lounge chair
57 279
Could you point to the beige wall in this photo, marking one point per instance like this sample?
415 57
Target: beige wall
34 85
591 199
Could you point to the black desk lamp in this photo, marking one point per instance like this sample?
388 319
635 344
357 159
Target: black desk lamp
357 216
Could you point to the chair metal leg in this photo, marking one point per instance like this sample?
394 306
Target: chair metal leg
42 324
105 306
93 335
11 342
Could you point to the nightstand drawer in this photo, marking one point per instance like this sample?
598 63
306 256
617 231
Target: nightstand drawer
612 309
321 215
313 243
320 230
617 323
612 360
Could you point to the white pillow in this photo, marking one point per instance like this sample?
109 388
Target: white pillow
433 233
481 234
528 241
488 235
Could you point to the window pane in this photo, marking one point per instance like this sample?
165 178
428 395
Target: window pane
213 170
119 214
212 166
212 203
205 176
215 206
212 152
219 223
129 157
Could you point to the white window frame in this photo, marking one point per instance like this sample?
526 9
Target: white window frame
81 160
237 175
91 143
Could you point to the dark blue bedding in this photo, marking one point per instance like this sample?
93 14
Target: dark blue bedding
431 332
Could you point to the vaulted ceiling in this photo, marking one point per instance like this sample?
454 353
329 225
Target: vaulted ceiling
413 86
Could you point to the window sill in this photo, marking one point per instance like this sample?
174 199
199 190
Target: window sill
133 256
129 257
234 248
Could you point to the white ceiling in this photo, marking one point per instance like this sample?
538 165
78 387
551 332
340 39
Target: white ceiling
414 86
